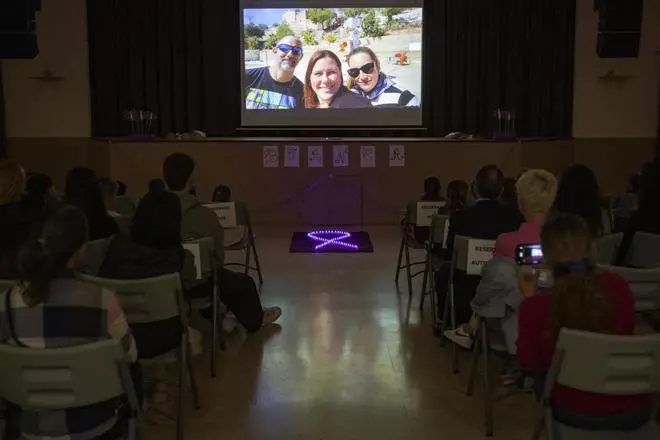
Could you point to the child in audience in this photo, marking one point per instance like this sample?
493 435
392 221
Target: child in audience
15 220
76 313
82 190
238 291
578 193
222 194
582 298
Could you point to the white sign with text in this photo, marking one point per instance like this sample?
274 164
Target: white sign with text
226 213
426 210
479 252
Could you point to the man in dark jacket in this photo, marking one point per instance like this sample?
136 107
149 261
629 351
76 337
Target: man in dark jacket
486 219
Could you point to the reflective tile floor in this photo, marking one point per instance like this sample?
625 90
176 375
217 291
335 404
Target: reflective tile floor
353 359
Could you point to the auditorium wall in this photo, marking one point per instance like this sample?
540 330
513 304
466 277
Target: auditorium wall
48 125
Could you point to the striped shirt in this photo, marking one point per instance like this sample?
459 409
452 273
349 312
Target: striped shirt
74 313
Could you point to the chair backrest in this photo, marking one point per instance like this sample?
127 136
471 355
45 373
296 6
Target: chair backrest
644 283
7 284
203 250
231 214
95 254
471 254
608 364
644 251
425 210
146 300
439 229
124 223
60 378
125 206
606 248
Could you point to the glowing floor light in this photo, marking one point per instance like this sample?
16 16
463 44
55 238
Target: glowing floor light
331 238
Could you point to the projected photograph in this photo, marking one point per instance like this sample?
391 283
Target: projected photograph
321 58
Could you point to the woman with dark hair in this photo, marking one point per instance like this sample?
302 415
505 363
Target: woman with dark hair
578 193
647 217
366 78
457 193
80 313
582 298
222 194
153 249
324 84
432 189
82 190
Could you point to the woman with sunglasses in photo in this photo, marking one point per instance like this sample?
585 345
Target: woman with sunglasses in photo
366 79
324 84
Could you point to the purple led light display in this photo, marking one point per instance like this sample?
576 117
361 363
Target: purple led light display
331 238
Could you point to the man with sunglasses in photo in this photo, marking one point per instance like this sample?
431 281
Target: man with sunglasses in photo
275 86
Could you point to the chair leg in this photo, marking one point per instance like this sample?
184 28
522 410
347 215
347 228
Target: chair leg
256 262
182 381
427 264
538 428
488 404
549 424
398 261
472 375
454 349
214 344
191 375
434 310
248 254
408 274
445 319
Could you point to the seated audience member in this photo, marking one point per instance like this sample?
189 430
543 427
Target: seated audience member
457 193
578 193
509 192
536 190
40 197
647 217
582 298
156 186
15 220
48 293
222 194
121 189
238 291
82 190
109 195
154 248
432 189
486 219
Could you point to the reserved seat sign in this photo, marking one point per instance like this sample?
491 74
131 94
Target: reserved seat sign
479 252
426 210
226 213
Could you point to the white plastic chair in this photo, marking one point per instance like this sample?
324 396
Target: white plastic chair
612 365
64 378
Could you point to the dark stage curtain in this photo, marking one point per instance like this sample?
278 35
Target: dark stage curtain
178 58
3 126
514 54
181 59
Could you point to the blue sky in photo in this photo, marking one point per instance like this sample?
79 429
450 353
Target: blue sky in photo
264 16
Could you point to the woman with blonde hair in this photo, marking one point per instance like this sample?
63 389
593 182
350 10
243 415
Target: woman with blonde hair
535 195
14 217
